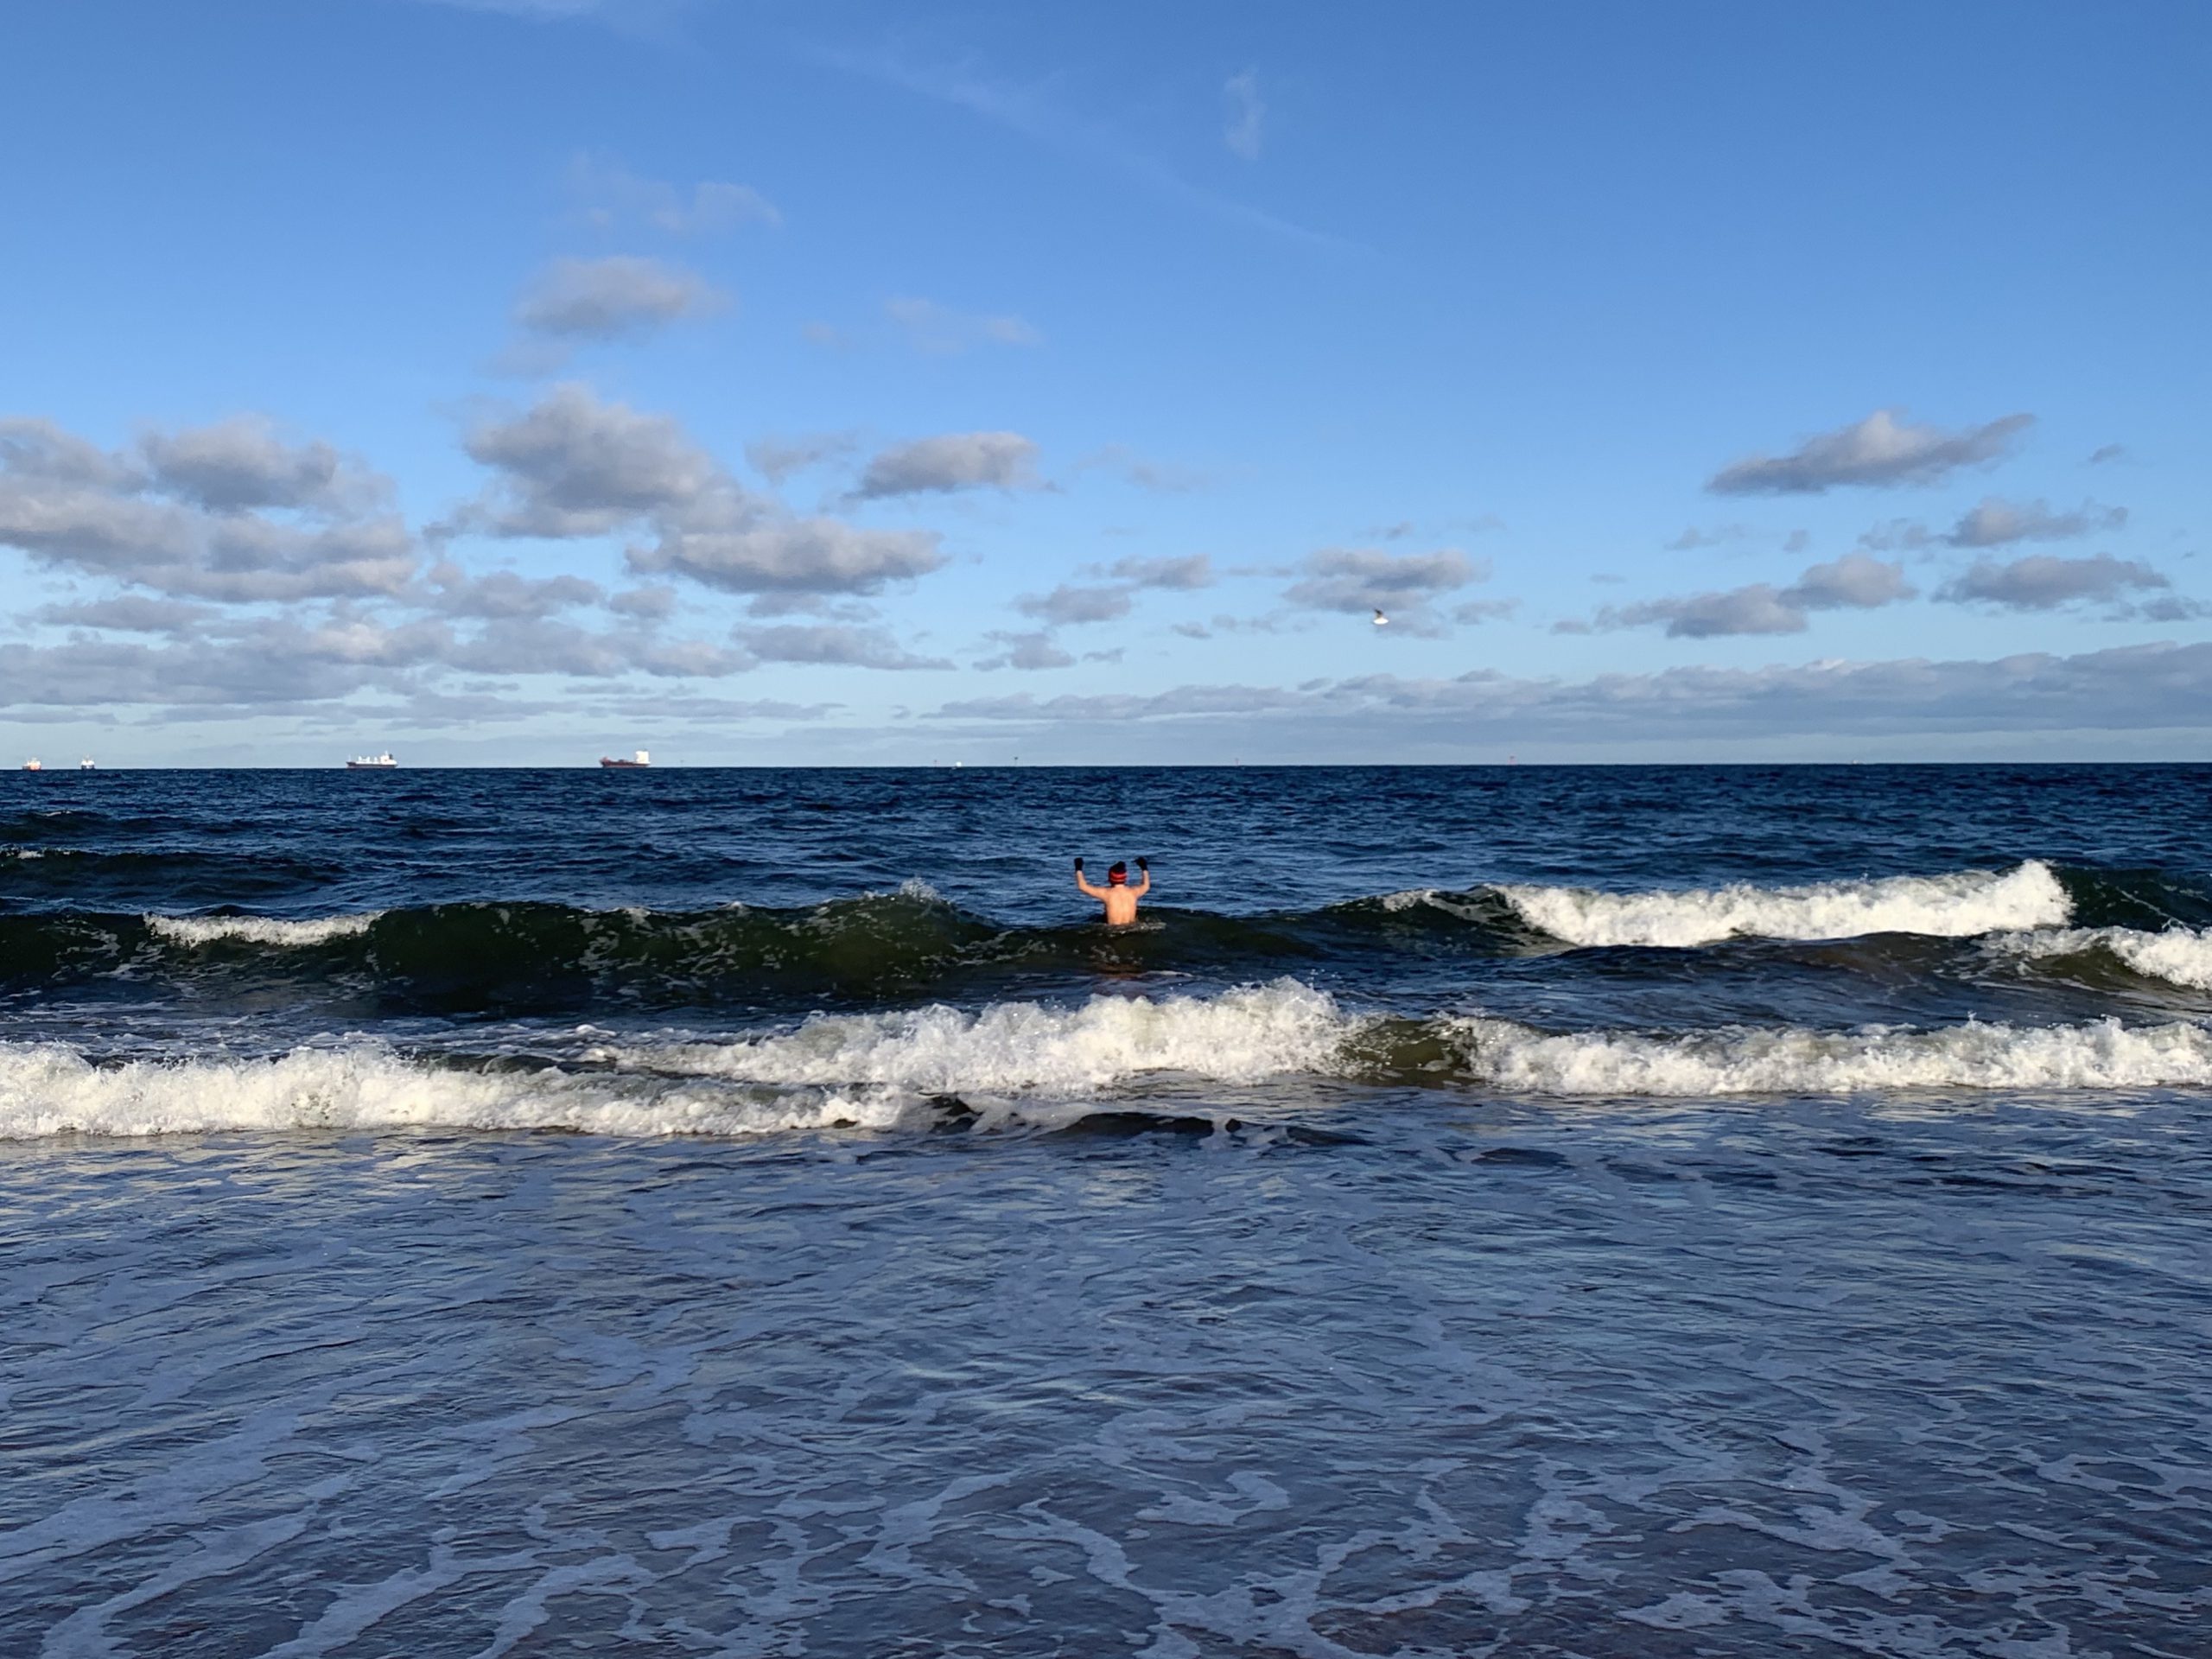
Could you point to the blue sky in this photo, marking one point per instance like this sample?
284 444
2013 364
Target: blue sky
514 382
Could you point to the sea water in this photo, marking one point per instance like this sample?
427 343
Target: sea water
1609 1211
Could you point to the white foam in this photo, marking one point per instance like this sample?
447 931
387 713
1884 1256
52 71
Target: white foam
2179 955
259 930
1957 905
1744 1061
48 1089
1240 1036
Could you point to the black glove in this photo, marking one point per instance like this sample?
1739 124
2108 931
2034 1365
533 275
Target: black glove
1078 863
1144 863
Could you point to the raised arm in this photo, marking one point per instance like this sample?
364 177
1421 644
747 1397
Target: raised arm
1092 892
1144 877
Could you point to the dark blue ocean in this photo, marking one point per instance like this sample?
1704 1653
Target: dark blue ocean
1638 1211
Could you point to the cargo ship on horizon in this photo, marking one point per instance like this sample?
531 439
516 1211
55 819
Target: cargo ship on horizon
642 757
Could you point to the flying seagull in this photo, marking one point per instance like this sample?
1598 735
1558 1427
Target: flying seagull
1380 621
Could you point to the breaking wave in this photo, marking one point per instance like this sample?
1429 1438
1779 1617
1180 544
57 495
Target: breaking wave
1749 1061
1955 906
258 930
48 1089
2179 955
893 1070
1239 1037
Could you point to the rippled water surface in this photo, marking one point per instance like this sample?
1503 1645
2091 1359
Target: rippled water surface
1582 1211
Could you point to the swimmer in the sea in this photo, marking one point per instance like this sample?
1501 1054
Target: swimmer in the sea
1117 895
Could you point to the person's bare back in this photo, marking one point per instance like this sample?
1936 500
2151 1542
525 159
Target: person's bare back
1119 898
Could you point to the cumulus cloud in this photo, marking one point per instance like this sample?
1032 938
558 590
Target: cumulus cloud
819 556
505 594
941 331
1993 522
316 602
1244 115
621 297
1880 451
611 197
239 464
227 513
2043 581
1032 651
1853 581
1356 580
573 464
952 460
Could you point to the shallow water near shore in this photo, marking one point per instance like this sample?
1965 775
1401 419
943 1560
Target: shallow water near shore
1624 1212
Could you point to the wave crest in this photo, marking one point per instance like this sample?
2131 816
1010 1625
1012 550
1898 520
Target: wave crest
192 931
2180 955
1240 1036
1976 1056
1956 906
46 1088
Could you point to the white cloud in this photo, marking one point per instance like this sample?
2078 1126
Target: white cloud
619 298
573 464
777 459
1069 604
1853 581
940 330
2043 581
1993 522
825 556
1880 451
1026 651
188 513
1245 114
1356 579
611 197
953 460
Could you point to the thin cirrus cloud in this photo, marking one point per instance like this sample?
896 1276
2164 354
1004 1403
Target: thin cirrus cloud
619 298
1881 451
941 331
1855 582
777 459
949 462
1244 115
610 198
